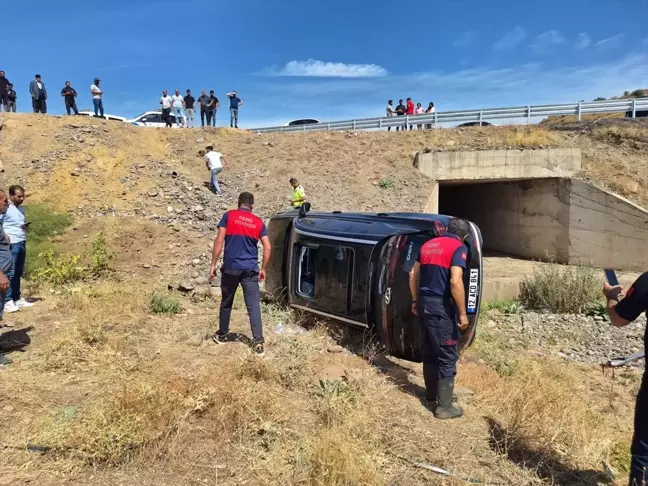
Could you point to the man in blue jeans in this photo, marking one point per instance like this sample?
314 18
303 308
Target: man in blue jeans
239 231
235 102
15 227
97 98
6 265
215 161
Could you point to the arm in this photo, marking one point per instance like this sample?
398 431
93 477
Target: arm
4 283
267 250
633 304
415 285
225 161
218 248
241 103
459 295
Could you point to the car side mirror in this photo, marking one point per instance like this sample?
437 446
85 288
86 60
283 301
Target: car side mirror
304 208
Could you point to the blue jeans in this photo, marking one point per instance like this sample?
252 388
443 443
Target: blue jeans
98 107
639 448
234 117
19 253
9 275
178 116
214 179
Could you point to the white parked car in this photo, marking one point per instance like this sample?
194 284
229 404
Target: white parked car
106 115
152 119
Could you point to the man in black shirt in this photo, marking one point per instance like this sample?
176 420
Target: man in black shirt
4 83
621 314
190 112
69 94
11 99
213 107
401 109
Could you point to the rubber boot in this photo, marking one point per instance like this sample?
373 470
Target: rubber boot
431 378
445 409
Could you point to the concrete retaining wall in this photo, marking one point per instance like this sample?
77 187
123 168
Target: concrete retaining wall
499 164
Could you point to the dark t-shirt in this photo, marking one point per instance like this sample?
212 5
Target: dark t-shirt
69 93
215 102
204 101
234 102
189 102
400 110
635 302
11 94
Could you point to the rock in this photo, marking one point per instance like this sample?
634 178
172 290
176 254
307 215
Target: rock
195 340
201 280
146 265
450 143
153 193
334 348
173 286
169 209
75 173
491 324
197 208
195 261
215 292
186 286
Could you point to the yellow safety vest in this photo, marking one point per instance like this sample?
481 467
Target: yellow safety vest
298 196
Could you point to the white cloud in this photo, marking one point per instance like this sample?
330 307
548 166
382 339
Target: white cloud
547 41
510 40
322 69
610 41
582 41
464 39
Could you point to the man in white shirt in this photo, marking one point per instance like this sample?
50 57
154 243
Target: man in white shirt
167 102
178 105
390 111
215 162
97 98
15 226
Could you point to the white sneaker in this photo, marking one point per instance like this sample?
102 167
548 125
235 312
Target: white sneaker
23 303
10 307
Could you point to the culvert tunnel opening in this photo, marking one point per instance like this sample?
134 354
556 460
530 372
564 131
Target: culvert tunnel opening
527 218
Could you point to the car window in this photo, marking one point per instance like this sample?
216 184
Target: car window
150 118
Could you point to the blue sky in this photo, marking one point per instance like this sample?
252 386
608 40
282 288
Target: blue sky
328 59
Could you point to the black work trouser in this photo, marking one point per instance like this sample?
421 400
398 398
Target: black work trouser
639 448
40 105
70 106
204 113
439 334
210 114
249 280
166 116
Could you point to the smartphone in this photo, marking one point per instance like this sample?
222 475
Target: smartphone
27 223
611 277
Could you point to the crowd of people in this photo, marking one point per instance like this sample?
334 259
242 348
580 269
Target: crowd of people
182 107
409 110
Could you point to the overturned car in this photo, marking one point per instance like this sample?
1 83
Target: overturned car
354 267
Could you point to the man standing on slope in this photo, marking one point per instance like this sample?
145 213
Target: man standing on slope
215 162
6 264
190 112
235 102
4 84
439 300
178 105
39 94
167 102
240 231
97 98
299 195
621 314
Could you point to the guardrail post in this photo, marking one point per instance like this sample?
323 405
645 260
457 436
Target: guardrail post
406 122
580 108
481 113
435 119
528 114
380 123
634 108
328 127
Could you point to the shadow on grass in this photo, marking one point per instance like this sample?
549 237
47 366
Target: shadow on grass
15 340
547 465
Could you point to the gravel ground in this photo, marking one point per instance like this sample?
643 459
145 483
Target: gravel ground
575 337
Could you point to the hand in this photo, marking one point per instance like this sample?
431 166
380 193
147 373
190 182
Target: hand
463 322
212 272
262 274
612 292
414 309
4 283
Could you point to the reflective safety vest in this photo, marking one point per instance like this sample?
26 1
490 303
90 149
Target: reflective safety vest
298 196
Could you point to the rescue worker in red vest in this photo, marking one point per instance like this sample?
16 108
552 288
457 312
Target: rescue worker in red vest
439 300
622 312
239 233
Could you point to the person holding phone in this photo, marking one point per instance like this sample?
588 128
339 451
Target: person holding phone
6 263
15 226
239 232
439 300
622 312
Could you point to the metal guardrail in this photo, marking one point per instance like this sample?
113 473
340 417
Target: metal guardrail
528 112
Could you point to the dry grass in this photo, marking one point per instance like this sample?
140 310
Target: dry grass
532 137
618 133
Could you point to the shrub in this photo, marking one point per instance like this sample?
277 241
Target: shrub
100 256
560 288
504 306
59 270
163 304
45 224
386 183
